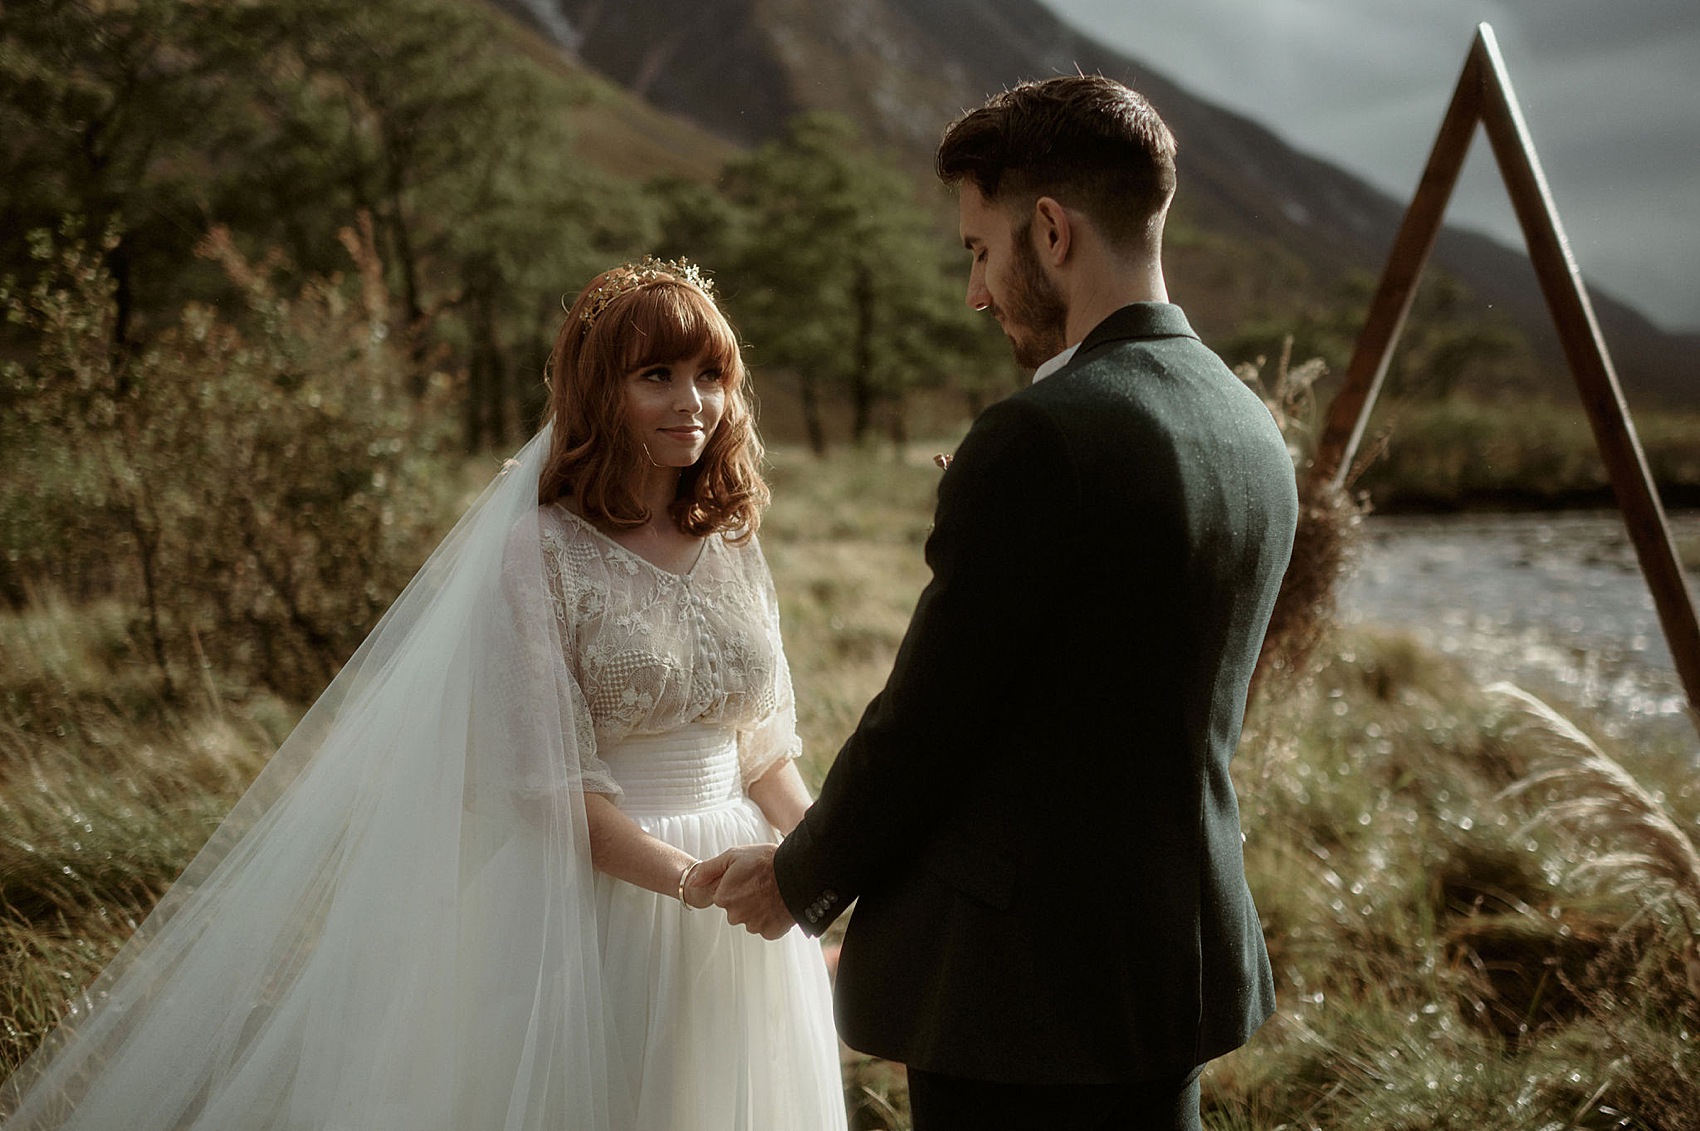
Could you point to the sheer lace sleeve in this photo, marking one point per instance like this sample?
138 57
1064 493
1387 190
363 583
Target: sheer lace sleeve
773 737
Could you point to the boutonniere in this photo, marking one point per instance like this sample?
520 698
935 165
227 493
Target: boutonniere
944 459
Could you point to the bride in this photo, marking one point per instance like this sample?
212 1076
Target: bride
462 894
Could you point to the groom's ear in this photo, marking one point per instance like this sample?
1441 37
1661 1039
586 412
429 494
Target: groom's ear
1052 231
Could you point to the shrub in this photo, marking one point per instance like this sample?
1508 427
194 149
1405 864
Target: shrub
1330 517
239 482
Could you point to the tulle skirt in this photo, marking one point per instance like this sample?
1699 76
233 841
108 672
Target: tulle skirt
711 1028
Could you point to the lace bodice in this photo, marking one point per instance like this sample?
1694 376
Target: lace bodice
652 651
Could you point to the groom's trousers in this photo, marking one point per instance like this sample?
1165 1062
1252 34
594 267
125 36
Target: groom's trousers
951 1103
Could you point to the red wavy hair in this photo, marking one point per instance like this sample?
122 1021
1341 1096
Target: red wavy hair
665 318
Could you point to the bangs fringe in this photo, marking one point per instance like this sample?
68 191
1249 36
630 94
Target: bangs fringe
670 323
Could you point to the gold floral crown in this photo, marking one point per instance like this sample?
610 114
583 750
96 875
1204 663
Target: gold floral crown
629 277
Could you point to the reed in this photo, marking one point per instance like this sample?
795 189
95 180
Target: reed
1591 796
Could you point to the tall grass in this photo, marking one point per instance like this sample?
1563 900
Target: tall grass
105 795
1440 962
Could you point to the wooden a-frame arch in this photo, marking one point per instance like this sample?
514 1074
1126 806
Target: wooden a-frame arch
1484 95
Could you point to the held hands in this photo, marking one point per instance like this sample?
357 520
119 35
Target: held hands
741 881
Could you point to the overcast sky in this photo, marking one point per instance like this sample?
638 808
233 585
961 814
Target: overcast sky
1610 90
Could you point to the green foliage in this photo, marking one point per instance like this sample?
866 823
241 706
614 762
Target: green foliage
423 115
842 278
1467 451
108 112
282 120
253 492
1448 345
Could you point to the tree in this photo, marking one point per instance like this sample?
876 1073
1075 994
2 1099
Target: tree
1448 344
284 120
424 114
840 274
107 112
695 221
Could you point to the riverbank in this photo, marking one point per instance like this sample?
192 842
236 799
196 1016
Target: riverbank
1555 601
1466 454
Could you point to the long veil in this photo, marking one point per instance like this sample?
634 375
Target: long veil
394 928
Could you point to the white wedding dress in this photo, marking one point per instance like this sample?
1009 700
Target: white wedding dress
398 928
685 687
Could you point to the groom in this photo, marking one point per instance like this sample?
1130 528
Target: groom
1035 817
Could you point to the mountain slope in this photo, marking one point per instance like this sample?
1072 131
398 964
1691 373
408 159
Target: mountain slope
613 130
904 69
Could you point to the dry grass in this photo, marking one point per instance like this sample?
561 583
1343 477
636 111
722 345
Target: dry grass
843 538
1584 791
1441 962
1330 519
105 795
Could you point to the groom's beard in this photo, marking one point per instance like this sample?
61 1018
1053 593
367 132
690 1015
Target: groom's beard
1034 316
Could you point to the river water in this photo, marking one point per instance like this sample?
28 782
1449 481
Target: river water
1554 602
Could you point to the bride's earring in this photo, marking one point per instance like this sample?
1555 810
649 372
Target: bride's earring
647 456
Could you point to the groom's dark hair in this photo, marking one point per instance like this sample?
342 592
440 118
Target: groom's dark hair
1086 140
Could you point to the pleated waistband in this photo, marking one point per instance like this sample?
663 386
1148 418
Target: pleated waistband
687 771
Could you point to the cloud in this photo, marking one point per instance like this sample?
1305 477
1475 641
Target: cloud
1581 29
1607 90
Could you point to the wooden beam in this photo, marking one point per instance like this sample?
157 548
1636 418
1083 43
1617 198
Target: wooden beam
1349 412
1484 95
1590 364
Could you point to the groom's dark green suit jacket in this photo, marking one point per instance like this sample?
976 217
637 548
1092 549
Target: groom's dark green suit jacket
1035 815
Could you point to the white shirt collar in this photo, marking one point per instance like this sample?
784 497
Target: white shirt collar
1055 363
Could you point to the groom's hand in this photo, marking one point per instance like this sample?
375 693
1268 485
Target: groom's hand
744 885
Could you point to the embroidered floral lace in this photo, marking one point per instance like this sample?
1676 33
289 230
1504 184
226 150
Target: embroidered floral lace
652 651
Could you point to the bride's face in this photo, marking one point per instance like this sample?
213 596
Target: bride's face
673 408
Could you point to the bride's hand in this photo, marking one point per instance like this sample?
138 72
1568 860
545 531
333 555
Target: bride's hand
698 890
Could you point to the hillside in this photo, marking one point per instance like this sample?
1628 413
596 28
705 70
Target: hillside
613 130
739 68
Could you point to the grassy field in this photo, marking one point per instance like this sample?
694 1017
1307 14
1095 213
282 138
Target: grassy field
1447 954
1467 453
1462 452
